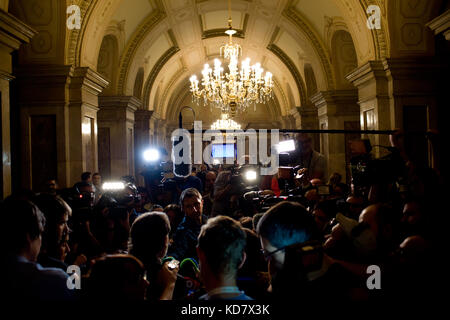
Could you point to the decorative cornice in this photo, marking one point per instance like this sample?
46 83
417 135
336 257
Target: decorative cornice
441 24
6 76
295 17
292 68
89 79
143 115
14 32
155 71
130 102
133 44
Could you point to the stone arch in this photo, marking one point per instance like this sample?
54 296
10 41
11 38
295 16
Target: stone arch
138 83
107 61
344 58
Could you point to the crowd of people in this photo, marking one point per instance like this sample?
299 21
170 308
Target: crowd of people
206 237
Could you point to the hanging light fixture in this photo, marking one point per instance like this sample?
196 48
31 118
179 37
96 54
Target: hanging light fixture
238 89
225 124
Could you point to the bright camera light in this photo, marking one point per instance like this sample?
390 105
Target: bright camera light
151 155
250 175
286 146
113 186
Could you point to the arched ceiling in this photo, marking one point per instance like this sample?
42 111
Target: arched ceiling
172 39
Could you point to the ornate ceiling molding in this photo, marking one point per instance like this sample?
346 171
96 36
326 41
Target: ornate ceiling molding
133 44
211 33
292 68
297 19
155 71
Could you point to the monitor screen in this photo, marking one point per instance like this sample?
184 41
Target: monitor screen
223 150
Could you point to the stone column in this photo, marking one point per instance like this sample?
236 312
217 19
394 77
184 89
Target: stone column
116 120
399 93
337 110
58 112
13 33
141 140
310 121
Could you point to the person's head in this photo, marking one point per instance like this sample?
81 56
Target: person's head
304 142
117 277
86 177
149 237
175 215
23 226
254 261
335 178
355 205
86 194
210 178
323 212
412 213
50 186
220 248
192 203
157 207
97 179
284 224
57 213
383 221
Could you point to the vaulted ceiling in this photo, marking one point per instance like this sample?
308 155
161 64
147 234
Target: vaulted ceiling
169 40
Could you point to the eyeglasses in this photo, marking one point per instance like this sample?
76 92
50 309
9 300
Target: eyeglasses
268 254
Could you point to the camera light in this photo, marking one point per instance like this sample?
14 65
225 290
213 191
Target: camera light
286 146
113 186
151 155
250 175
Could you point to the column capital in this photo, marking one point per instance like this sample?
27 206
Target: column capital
89 79
143 115
334 97
441 24
131 103
14 32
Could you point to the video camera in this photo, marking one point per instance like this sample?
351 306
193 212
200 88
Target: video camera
123 193
366 170
244 178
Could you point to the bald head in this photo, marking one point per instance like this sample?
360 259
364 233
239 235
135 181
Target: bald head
210 178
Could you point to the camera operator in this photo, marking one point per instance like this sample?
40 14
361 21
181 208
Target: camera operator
307 158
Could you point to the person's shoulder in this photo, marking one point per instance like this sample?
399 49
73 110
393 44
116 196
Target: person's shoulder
242 296
52 272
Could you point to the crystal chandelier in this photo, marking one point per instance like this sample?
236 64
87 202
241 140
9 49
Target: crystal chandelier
225 124
237 89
